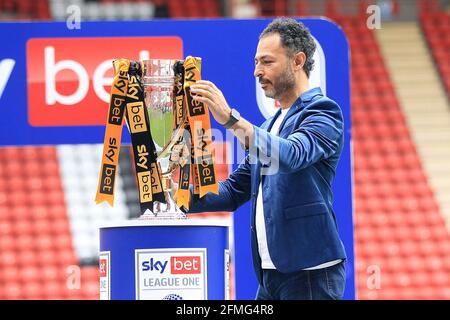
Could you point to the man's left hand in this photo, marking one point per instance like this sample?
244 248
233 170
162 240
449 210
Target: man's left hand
207 92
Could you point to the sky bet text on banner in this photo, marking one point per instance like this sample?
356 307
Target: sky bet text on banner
55 84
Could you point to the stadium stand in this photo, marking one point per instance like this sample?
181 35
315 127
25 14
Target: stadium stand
37 258
400 233
436 27
194 9
395 208
79 168
24 10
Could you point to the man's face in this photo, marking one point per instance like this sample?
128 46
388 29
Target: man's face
273 67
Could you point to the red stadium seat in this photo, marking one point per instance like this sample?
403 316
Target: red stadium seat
57 211
30 273
60 226
63 241
13 290
67 257
7 243
52 289
27 258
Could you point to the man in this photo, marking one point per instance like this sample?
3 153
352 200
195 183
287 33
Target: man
297 252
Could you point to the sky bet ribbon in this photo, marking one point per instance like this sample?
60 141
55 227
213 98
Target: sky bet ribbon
179 120
203 166
113 133
148 172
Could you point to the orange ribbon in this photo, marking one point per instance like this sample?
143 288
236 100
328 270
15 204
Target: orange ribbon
199 122
113 133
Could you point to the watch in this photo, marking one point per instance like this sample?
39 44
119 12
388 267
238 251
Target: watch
234 117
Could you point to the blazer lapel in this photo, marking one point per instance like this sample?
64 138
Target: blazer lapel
297 106
272 121
257 173
293 110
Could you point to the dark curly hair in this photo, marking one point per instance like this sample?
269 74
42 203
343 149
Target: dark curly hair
295 37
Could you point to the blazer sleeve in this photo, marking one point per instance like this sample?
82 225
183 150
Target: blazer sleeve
317 137
233 192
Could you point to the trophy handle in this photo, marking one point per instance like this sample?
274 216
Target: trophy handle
177 134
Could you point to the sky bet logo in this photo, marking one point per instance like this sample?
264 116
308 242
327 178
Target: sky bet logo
178 265
103 266
69 79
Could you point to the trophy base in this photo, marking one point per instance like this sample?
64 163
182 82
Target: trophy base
163 212
168 210
166 215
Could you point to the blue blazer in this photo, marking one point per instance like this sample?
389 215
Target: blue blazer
298 169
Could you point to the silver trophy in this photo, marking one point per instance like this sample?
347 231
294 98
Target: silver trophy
159 82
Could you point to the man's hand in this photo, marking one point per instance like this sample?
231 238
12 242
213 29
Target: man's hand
209 94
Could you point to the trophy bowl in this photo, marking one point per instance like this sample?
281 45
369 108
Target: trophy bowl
160 86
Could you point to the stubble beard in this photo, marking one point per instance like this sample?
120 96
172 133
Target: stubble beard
284 82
